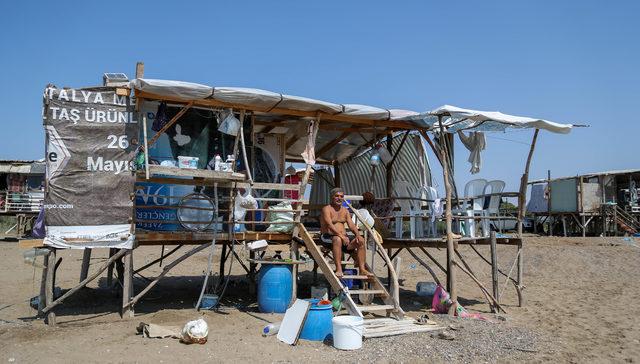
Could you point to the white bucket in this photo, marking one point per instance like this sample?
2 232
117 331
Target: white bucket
347 332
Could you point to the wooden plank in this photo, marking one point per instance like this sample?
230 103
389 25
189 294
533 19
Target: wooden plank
201 173
404 330
31 243
373 308
383 122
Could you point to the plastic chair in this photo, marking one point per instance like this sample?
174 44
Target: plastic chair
473 207
493 207
411 208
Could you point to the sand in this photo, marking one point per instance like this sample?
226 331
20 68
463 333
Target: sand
580 306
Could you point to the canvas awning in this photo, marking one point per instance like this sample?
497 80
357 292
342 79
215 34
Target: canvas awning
456 119
262 100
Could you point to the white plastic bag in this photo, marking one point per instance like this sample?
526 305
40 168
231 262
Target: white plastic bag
195 332
285 216
230 124
366 216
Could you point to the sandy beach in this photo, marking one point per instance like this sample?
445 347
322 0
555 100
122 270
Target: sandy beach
580 306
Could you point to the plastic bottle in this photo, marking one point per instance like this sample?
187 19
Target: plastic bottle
271 329
216 165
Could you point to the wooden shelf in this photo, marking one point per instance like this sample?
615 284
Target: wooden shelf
196 173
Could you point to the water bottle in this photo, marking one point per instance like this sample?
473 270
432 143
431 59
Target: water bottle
271 329
216 165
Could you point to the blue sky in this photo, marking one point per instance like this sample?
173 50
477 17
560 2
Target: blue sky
566 61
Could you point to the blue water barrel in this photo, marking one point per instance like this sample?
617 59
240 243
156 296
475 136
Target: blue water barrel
317 326
275 284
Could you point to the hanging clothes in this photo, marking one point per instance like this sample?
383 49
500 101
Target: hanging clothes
475 143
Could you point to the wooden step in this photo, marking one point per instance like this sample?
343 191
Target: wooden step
370 308
364 278
367 291
343 263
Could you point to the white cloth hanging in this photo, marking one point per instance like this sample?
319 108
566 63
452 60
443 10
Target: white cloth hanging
475 143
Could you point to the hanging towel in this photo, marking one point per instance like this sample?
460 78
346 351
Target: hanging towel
475 143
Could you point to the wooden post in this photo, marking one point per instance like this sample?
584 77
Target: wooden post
494 266
584 226
451 269
50 319
140 70
112 252
336 177
84 270
521 212
549 202
127 285
389 167
43 283
146 145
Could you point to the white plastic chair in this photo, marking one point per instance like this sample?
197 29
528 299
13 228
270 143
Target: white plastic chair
473 207
493 209
411 208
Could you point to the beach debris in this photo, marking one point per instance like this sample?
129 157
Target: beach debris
153 331
195 332
293 321
444 335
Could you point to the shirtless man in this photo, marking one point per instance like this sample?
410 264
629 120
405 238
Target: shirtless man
333 233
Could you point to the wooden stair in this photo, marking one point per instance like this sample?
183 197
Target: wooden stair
626 222
370 284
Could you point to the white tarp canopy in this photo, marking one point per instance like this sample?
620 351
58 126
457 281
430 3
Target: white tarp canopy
456 119
262 100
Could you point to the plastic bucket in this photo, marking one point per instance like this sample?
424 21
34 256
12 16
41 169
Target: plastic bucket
209 301
347 332
317 326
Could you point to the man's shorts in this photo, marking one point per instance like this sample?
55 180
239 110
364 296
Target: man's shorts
327 240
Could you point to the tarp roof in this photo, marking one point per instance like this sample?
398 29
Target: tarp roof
22 167
456 119
262 99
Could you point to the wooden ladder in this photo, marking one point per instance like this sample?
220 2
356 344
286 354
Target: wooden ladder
370 284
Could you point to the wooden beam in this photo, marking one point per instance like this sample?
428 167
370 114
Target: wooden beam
105 265
397 152
170 123
435 150
332 143
325 116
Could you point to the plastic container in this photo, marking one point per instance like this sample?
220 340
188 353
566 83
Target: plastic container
188 162
426 289
271 329
209 301
350 283
317 326
275 284
347 332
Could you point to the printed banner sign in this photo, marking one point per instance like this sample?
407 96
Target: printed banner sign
91 142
